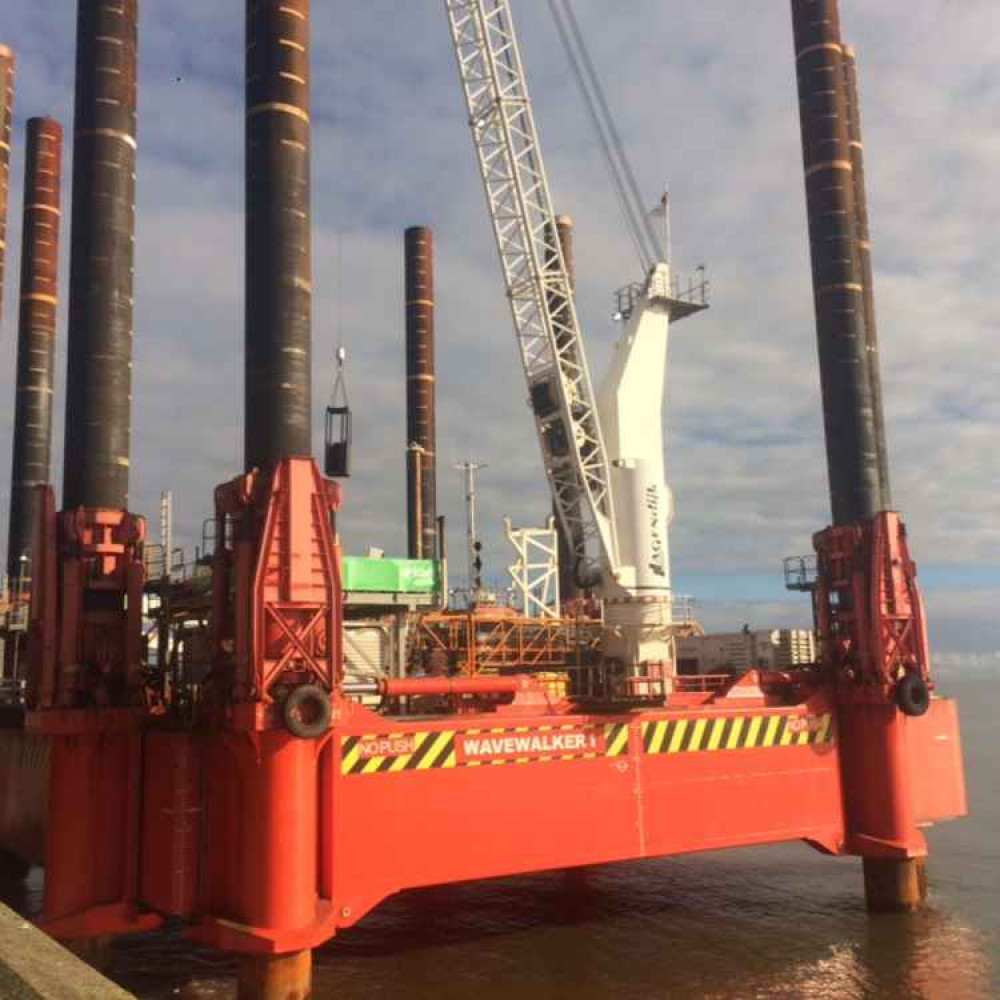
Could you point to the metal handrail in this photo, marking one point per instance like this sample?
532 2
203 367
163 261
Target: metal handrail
696 293
801 573
702 683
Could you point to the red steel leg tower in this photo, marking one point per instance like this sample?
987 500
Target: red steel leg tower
87 686
869 613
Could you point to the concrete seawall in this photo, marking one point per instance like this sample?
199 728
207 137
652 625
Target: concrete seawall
34 967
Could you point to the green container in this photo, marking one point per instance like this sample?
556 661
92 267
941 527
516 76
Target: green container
390 576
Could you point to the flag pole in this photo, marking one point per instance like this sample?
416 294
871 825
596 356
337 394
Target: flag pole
666 223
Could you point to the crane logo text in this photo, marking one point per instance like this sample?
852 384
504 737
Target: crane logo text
657 557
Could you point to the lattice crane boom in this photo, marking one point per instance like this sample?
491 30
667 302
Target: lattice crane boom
538 286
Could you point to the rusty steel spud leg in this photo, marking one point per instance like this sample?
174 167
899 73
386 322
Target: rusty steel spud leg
895 885
276 977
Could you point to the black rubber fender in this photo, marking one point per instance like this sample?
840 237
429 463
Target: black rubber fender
912 695
307 712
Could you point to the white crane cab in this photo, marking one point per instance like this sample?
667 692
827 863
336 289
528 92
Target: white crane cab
637 592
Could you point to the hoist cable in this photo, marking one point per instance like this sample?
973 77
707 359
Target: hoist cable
637 200
614 174
339 381
626 189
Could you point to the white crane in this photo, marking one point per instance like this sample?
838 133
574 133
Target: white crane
603 454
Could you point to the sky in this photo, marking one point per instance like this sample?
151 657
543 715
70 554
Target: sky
704 96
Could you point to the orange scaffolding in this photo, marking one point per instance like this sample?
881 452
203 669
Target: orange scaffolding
492 640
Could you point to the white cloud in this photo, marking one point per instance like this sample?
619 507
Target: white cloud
705 95
967 664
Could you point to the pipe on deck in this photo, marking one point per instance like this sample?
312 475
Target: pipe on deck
278 376
102 258
417 686
39 301
421 418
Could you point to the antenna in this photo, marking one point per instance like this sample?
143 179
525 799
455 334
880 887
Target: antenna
662 211
475 545
167 529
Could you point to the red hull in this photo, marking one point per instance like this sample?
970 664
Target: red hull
644 793
394 805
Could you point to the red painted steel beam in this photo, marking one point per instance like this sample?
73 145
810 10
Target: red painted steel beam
457 686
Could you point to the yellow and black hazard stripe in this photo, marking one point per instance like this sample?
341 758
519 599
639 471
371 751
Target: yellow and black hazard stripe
740 732
430 749
437 750
615 739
